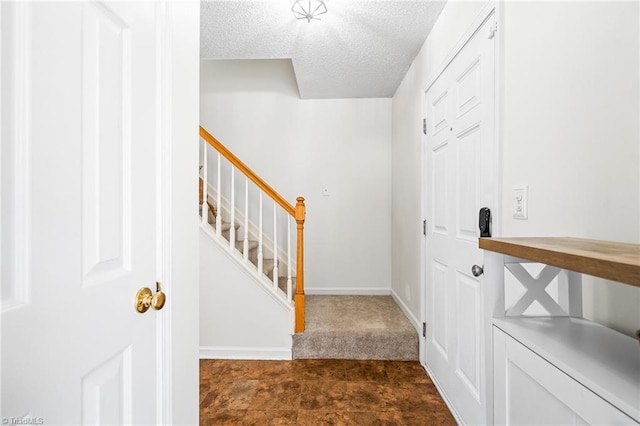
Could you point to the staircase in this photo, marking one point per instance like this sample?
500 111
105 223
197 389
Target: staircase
268 264
251 222
250 219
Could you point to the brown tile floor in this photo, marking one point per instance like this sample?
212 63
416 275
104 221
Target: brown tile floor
318 392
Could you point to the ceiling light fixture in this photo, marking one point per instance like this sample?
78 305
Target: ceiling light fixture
309 9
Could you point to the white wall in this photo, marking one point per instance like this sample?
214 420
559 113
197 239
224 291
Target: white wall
406 229
569 128
238 317
571 131
298 146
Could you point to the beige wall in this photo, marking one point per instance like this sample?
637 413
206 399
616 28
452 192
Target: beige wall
406 212
569 128
298 146
239 316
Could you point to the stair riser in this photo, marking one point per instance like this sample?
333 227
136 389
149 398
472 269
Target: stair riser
346 347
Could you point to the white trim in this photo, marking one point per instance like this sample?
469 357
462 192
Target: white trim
348 291
484 14
412 318
164 217
262 281
2 190
496 216
22 166
422 340
450 406
257 353
267 242
492 7
180 104
21 204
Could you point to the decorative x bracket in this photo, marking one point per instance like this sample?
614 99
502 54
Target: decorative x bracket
535 290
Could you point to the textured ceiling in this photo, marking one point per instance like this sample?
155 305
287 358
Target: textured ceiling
359 49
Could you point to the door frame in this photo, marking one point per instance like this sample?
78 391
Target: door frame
492 8
177 229
164 326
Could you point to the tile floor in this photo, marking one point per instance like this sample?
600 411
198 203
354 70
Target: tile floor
319 392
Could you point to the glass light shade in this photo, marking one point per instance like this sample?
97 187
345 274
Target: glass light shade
308 9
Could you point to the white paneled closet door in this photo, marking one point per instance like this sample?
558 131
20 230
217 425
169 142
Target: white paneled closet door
79 237
459 145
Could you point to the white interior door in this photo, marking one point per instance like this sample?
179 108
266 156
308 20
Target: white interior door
459 146
78 212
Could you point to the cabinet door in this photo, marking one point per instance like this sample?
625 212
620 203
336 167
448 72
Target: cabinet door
530 391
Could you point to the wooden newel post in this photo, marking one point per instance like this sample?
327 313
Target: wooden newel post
299 297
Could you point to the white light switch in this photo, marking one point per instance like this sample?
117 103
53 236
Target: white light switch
520 202
325 190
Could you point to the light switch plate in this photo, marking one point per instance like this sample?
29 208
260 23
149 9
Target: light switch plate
520 202
325 190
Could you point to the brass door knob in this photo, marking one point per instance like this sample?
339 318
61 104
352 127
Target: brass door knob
145 299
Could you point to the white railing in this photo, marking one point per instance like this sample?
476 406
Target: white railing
240 205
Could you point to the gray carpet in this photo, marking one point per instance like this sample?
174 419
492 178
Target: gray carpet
355 327
343 327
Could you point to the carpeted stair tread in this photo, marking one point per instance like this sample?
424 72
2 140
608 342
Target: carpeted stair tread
253 245
267 263
267 268
282 285
226 226
226 229
355 327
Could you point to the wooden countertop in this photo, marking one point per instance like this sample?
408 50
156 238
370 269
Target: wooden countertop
605 259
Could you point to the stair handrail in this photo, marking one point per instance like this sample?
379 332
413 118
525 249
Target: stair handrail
298 213
231 157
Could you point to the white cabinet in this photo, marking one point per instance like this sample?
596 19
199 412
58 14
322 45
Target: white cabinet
529 390
559 369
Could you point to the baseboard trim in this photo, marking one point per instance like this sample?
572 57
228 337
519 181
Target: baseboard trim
407 312
443 395
230 352
348 291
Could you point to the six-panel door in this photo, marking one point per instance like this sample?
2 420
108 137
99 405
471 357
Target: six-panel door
78 197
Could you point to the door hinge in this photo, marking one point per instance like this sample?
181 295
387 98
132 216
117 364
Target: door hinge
493 30
424 329
424 126
424 227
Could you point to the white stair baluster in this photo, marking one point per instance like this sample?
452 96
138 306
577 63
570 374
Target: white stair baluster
205 189
260 255
245 246
289 258
232 230
219 200
275 244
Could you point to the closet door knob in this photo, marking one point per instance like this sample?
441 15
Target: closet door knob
477 270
